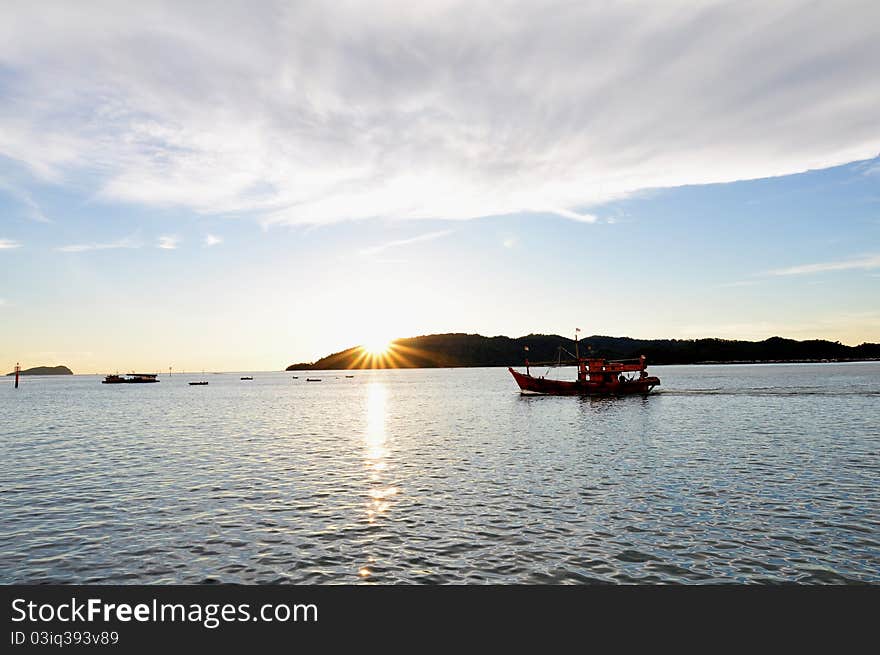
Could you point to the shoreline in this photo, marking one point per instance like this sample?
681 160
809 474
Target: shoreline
503 366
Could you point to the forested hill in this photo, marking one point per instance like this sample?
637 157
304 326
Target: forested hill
455 350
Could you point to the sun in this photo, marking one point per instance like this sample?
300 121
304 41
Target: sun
377 347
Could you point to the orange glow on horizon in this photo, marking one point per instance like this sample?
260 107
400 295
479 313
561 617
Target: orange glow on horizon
379 353
393 354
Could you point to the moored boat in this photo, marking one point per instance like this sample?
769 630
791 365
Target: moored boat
596 376
131 378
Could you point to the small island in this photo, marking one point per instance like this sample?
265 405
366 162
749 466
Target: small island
44 370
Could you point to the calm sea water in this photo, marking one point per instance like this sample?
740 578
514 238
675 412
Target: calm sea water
763 473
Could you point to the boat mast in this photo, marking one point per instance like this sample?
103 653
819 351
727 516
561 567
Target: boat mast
582 370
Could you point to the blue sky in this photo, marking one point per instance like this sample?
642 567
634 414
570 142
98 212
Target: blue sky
241 189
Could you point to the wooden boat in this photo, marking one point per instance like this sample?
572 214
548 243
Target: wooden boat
349 376
131 378
313 379
247 377
203 383
596 377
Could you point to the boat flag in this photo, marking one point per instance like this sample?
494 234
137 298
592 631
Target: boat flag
577 329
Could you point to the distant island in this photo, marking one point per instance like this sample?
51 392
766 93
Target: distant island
466 350
45 370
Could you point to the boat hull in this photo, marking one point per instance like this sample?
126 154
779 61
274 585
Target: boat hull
529 384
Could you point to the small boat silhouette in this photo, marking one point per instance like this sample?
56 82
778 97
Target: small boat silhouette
247 377
313 379
131 378
203 383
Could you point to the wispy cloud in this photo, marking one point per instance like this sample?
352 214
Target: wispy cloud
429 236
581 217
212 240
32 209
127 242
6 244
872 169
358 110
168 242
868 262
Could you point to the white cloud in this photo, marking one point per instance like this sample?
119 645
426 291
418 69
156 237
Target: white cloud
128 242
317 112
862 263
403 242
168 242
212 240
575 216
6 244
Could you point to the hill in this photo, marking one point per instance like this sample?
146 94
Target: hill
462 350
45 370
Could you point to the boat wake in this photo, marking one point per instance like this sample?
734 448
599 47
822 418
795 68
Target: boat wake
767 391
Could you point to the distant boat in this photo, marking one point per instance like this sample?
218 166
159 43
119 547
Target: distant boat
247 377
295 377
131 378
198 384
313 379
349 376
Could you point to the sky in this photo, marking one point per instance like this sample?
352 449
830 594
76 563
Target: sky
245 186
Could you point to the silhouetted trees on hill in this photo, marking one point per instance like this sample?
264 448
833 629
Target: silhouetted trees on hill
455 350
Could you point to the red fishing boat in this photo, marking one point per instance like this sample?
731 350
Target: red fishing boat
596 376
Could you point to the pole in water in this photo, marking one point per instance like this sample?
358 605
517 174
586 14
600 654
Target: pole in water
17 371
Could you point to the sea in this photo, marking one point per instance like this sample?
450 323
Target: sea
724 474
